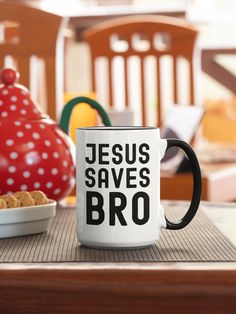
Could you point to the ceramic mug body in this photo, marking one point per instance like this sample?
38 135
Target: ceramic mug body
118 186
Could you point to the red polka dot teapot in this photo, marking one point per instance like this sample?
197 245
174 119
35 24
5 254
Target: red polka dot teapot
35 153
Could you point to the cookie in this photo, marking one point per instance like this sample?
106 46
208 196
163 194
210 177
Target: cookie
39 197
3 204
24 198
11 200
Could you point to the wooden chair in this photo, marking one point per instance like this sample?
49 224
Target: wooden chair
27 33
145 38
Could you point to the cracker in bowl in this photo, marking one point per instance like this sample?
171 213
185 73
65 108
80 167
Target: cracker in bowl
39 197
3 204
24 198
11 200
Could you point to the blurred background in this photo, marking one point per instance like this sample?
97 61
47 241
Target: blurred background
71 48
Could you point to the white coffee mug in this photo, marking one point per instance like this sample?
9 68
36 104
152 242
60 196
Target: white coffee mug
118 186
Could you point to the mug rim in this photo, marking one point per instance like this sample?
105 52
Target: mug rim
116 128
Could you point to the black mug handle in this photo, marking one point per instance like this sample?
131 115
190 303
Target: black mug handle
197 185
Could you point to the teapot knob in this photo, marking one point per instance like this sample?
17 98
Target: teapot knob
9 76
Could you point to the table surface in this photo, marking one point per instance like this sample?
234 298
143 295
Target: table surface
125 287
223 215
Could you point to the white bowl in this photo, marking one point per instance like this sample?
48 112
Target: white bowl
20 221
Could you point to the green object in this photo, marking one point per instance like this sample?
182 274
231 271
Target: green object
67 110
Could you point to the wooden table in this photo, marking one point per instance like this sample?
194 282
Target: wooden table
125 288
218 183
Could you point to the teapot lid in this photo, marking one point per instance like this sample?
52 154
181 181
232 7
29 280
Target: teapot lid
15 99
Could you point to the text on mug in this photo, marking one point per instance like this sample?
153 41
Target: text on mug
117 177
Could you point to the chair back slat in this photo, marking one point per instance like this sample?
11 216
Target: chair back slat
144 37
126 65
159 98
93 74
191 76
143 95
175 79
23 66
110 80
26 32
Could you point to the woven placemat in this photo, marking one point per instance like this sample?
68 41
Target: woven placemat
200 241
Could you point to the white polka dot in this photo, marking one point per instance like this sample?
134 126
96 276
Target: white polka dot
30 144
25 102
10 181
13 107
30 160
1 102
20 134
64 177
17 123
58 141
65 163
12 169
26 174
13 155
13 98
37 185
23 111
35 135
5 92
55 155
4 114
28 126
23 187
54 171
44 155
47 143
41 171
49 185
42 126
9 142
56 191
